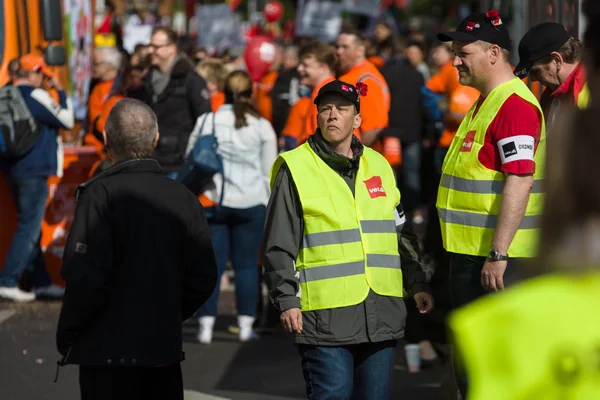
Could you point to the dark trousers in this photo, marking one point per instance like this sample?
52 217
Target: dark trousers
357 372
30 197
465 287
131 383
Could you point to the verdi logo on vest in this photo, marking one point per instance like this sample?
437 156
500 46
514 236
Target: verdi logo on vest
375 187
468 143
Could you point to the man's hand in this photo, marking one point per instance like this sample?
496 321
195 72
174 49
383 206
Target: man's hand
492 275
424 302
292 320
55 83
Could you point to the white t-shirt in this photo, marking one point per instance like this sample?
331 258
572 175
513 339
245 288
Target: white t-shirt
248 154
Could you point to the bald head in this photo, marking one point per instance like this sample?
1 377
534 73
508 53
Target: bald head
131 130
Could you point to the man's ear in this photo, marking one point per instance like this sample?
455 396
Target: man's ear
557 58
357 121
156 139
495 53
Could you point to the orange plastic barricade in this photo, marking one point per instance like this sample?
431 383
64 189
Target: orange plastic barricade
60 208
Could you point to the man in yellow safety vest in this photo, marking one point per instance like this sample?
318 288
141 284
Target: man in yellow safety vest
339 252
489 197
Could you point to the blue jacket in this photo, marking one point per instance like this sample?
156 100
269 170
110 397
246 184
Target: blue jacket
45 158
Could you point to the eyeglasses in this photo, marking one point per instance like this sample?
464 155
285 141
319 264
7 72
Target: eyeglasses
158 46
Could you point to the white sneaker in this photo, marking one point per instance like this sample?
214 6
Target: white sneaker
51 291
16 294
245 323
206 329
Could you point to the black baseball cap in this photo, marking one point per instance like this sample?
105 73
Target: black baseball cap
486 27
343 89
539 42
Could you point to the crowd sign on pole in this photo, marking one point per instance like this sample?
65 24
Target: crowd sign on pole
366 7
218 27
78 40
320 19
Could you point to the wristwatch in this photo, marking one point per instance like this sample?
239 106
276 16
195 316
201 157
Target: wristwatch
496 256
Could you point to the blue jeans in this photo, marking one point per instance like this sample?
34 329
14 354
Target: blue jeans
411 176
357 372
237 234
30 197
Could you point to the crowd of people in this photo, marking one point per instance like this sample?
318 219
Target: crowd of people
329 162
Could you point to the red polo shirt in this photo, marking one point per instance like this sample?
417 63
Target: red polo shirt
518 122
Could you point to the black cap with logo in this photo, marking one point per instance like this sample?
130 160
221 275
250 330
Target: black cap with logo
539 42
486 27
343 89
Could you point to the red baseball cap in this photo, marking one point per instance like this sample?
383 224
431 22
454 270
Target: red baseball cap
35 63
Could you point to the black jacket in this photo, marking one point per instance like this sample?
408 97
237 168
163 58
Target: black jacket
285 93
177 108
137 263
377 318
408 120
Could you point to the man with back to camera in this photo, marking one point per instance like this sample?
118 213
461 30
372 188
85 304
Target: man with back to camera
490 197
550 56
338 252
138 262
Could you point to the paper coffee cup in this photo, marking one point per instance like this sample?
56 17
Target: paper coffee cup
413 357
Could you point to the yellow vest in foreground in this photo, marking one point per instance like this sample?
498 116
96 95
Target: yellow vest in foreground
583 100
350 242
470 194
539 340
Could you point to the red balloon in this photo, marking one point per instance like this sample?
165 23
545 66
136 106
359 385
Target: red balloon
259 55
273 11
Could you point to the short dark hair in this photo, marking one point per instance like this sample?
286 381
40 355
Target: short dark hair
322 52
360 38
131 128
171 34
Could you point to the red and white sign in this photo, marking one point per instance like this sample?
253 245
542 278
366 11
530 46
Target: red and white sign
467 145
375 187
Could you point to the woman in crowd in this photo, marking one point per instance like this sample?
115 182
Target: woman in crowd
248 146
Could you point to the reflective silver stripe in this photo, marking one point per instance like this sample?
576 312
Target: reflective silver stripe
383 260
333 237
482 220
332 271
378 226
482 187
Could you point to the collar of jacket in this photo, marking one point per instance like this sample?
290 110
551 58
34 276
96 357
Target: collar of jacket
123 167
183 66
335 161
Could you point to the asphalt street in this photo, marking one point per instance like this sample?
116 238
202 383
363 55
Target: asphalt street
267 369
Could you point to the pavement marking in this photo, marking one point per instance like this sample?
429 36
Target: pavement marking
6 314
193 395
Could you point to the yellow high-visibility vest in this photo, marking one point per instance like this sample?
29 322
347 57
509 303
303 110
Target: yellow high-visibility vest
350 242
583 100
470 194
539 340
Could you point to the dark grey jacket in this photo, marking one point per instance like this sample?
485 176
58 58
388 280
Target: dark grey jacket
377 318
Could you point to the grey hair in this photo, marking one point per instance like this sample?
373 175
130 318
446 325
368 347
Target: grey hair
112 56
131 128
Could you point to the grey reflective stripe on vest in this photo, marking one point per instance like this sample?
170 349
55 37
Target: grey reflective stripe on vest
332 271
378 226
348 235
349 269
333 237
482 220
481 187
383 260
